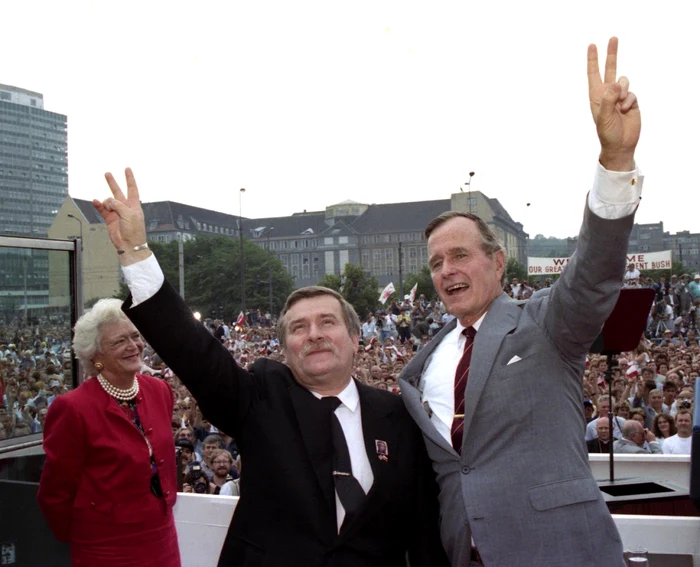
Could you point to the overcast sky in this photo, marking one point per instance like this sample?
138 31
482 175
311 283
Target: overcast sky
306 104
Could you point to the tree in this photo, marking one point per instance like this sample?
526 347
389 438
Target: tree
213 277
425 284
515 269
358 288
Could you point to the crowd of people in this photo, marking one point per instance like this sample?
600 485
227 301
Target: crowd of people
651 385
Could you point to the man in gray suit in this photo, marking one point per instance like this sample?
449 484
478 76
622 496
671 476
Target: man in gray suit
516 490
633 438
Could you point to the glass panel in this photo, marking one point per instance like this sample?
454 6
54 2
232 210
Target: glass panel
35 334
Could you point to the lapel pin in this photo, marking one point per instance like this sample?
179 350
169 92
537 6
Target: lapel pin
382 450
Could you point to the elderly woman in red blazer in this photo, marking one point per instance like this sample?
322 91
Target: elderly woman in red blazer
109 483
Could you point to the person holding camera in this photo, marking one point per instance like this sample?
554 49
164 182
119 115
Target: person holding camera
634 435
196 480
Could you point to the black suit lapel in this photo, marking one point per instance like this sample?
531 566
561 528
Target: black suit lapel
376 428
316 435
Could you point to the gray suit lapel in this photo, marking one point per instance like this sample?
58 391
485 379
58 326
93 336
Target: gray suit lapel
501 319
409 381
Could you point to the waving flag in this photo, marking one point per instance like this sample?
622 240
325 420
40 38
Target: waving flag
388 290
414 289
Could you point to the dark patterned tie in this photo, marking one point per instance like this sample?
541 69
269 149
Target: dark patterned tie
347 486
461 378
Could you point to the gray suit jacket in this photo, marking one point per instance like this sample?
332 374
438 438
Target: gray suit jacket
627 446
522 487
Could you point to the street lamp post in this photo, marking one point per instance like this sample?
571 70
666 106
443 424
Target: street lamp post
72 216
469 189
269 267
240 235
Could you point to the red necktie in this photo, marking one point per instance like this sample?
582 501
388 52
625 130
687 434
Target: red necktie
461 377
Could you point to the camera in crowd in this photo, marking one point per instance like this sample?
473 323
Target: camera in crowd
197 478
199 481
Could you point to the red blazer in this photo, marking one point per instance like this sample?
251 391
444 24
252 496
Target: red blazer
96 478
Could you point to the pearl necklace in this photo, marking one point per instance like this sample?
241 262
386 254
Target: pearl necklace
119 393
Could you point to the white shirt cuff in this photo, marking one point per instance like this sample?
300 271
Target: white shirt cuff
615 194
144 279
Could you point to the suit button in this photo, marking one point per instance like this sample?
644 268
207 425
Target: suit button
161 462
167 493
150 430
466 470
92 504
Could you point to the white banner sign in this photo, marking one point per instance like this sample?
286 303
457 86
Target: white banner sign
642 261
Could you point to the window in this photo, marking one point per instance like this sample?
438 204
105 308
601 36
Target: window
328 241
342 240
365 258
5 96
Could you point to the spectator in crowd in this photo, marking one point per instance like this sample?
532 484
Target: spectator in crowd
94 440
664 427
669 394
622 409
368 329
292 440
638 414
603 410
210 444
187 454
601 444
634 437
221 466
196 480
681 442
632 275
403 325
588 410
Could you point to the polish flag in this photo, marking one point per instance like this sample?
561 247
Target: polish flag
241 319
632 373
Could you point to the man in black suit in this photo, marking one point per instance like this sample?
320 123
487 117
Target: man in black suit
343 486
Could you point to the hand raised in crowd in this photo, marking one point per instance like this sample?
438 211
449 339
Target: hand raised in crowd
123 216
615 111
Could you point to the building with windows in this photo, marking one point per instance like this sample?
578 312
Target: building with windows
33 184
386 240
33 163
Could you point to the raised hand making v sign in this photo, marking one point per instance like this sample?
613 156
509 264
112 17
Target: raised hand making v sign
615 111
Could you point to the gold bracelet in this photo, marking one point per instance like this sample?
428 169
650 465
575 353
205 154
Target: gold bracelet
134 249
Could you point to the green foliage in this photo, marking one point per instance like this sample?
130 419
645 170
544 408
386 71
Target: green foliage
425 284
358 288
515 269
213 276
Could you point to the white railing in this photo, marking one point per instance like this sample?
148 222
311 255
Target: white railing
202 521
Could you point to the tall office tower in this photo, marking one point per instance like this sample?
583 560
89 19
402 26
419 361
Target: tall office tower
33 163
33 185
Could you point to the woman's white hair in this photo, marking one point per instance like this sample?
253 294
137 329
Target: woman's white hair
88 331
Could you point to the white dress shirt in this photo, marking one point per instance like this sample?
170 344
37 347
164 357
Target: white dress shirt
437 382
349 414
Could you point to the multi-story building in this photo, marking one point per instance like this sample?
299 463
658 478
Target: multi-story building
33 184
386 240
33 163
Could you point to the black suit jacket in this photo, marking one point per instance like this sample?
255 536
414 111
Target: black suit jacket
286 514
